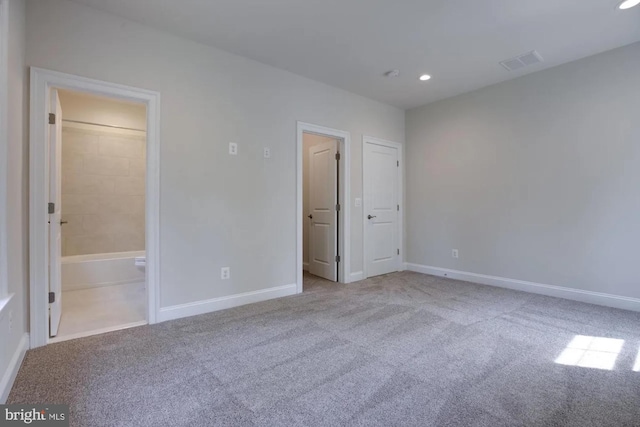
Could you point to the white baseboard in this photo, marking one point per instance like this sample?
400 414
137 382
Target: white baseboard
305 266
215 304
12 370
599 298
357 276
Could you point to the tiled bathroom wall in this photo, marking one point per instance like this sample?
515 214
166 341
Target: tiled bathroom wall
103 191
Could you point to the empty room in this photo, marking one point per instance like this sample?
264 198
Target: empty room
336 213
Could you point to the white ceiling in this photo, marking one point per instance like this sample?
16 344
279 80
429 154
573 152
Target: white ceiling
352 43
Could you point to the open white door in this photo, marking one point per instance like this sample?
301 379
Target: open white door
323 214
55 214
381 208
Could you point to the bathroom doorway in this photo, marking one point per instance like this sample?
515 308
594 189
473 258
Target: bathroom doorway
94 171
97 175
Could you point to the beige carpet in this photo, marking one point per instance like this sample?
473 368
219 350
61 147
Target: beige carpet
399 350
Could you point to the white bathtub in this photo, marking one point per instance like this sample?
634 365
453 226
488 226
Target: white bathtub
90 271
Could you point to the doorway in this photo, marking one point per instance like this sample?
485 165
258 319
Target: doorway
323 212
321 254
93 206
383 214
97 228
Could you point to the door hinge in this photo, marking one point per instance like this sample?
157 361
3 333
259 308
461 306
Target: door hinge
398 163
51 208
338 207
337 258
398 208
52 297
338 156
398 251
52 119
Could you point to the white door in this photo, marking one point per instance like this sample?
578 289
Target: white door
323 215
55 218
381 208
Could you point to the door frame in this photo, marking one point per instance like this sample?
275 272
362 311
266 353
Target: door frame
42 81
4 147
344 196
378 141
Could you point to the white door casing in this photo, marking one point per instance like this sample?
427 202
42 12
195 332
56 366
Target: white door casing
55 217
42 81
4 108
323 215
382 200
344 195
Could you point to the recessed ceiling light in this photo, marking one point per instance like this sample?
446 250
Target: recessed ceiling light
628 4
425 77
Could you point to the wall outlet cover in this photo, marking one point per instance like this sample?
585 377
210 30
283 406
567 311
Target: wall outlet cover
267 152
358 202
225 273
233 148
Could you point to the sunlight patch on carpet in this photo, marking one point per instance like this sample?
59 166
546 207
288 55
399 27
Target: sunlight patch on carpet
591 352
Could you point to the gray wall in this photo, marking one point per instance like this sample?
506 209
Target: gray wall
535 179
216 210
17 190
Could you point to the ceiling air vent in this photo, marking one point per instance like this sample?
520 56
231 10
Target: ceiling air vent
522 61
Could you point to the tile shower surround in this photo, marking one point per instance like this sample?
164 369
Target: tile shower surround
103 191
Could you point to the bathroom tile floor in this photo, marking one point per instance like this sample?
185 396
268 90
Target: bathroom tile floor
96 310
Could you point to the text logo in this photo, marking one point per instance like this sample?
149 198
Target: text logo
34 415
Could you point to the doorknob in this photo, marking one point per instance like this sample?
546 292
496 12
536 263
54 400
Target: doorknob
310 216
371 216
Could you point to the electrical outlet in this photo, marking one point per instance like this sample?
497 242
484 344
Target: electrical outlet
233 148
454 253
225 273
267 152
358 202
11 320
